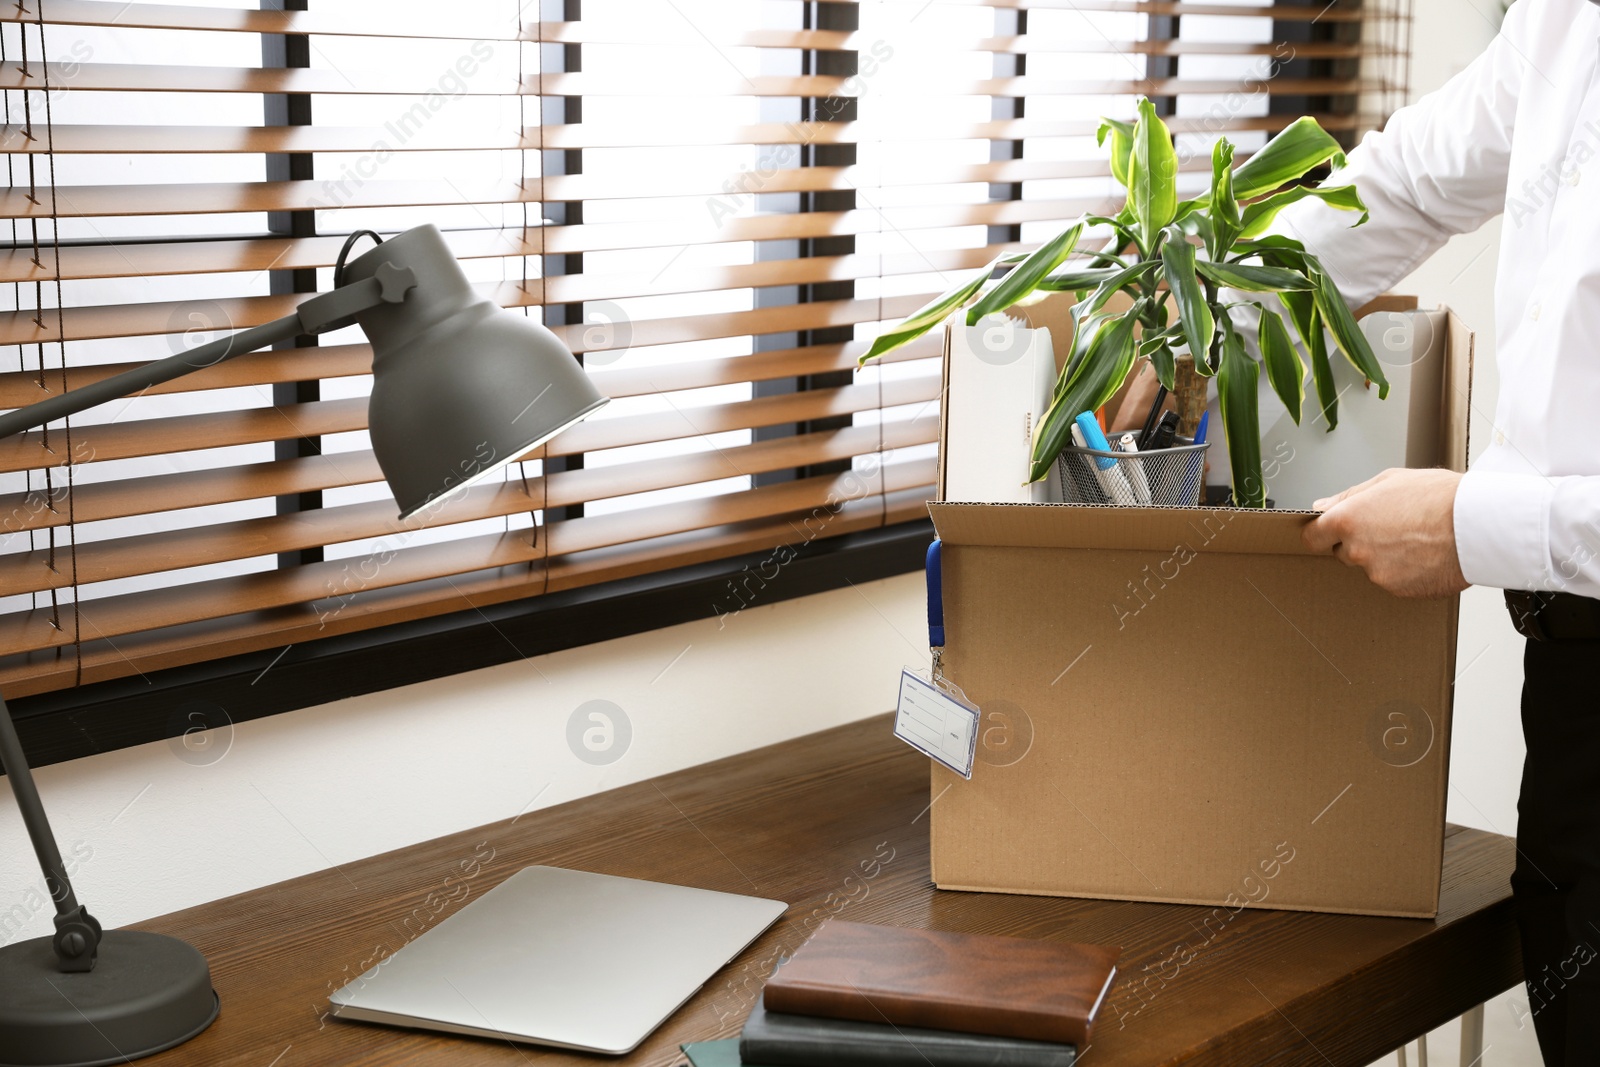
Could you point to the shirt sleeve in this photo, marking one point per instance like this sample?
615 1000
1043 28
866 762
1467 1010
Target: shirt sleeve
1437 169
1524 531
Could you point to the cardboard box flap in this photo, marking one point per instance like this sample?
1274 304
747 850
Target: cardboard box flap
1135 529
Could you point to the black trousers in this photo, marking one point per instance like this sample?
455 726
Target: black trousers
1557 880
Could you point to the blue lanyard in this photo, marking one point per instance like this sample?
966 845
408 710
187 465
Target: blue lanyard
935 596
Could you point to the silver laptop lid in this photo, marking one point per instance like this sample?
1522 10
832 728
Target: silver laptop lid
558 957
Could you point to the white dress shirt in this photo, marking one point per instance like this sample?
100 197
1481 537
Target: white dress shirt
1517 132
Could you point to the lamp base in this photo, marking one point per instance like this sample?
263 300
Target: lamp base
146 994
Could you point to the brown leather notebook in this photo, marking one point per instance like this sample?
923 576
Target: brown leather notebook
974 983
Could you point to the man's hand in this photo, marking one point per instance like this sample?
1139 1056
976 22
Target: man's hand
1399 528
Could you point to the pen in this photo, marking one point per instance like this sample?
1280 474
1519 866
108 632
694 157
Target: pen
1136 475
1087 484
1191 477
1152 418
1106 468
1165 433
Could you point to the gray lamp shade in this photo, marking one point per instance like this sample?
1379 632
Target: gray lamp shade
460 387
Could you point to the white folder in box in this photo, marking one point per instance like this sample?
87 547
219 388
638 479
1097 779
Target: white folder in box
1303 463
998 378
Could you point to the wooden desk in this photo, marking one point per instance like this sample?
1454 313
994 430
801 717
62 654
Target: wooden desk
835 823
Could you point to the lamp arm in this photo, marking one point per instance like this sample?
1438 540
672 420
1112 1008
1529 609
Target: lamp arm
324 312
77 935
77 932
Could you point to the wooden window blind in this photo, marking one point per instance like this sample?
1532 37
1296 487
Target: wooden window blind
714 203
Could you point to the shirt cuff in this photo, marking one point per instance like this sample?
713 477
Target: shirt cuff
1502 524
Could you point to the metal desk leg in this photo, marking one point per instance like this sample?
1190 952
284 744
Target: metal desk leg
1422 1052
1472 1037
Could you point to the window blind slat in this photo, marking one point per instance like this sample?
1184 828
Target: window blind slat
208 198
108 560
193 489
30 327
464 26
175 78
151 494
681 422
93 323
113 617
18 388
186 433
81 139
271 367
150 258
714 84
222 257
89 138
711 326
181 644
1333 11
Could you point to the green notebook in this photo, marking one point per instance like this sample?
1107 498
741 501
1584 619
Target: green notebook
713 1053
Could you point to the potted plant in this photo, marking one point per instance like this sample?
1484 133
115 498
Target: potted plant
1186 266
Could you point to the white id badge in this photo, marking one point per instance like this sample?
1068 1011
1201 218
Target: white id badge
939 723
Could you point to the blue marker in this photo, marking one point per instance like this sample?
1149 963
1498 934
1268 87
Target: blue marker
1095 438
1112 480
1191 475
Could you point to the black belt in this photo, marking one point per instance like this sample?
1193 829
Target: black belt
1554 616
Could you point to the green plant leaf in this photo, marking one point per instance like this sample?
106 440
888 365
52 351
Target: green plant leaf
1302 308
1083 336
1259 216
1302 146
1226 221
1112 286
1276 250
1121 134
1194 314
1346 334
1087 384
1322 375
1152 176
1120 226
1025 276
1197 225
1239 397
1077 281
1254 279
1285 370
929 315
1190 207
1166 365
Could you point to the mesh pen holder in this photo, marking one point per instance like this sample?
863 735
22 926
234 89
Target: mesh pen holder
1162 478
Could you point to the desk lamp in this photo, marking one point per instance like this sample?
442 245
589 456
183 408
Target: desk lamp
460 389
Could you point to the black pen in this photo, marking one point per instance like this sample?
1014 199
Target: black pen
1165 434
1150 420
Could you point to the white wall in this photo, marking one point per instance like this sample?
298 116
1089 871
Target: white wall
161 827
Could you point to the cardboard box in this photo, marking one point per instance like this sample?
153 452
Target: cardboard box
1184 705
